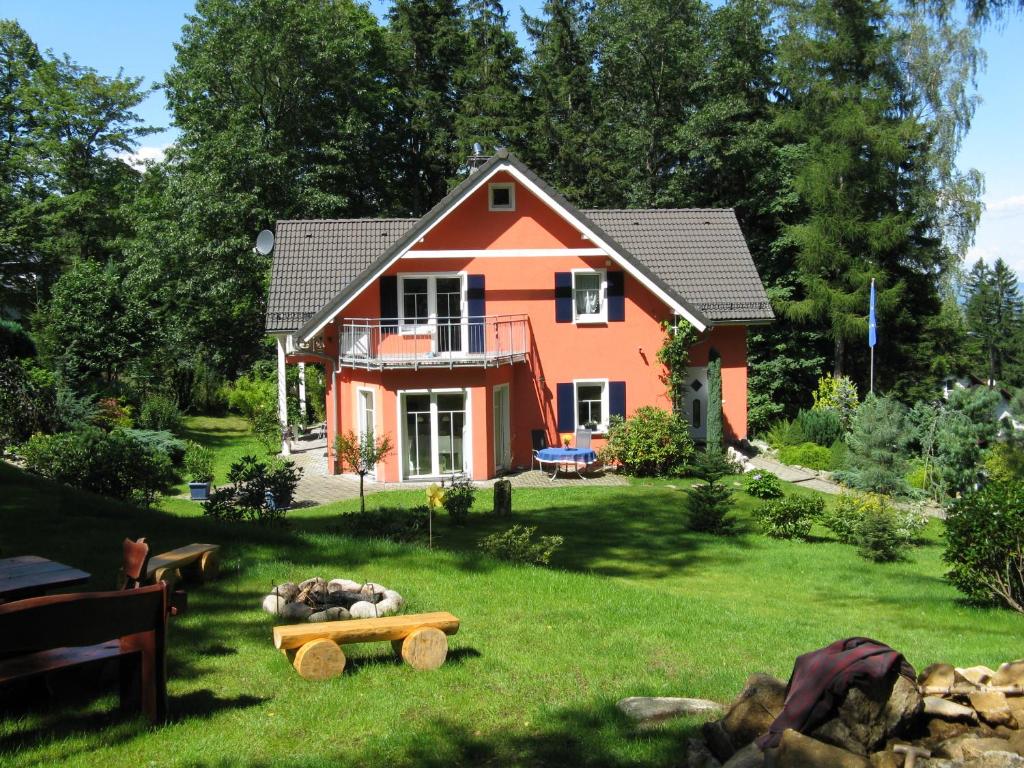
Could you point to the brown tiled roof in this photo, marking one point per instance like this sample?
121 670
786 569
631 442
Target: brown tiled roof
696 255
315 259
700 253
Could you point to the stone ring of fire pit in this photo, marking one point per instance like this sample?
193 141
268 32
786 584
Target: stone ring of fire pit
336 600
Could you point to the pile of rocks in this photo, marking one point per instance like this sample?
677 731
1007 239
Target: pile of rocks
952 718
336 600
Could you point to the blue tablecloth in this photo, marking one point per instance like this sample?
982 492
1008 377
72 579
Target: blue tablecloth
574 455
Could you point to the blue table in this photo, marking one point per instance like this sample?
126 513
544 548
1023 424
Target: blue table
566 456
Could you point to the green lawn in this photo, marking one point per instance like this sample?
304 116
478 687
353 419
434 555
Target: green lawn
633 605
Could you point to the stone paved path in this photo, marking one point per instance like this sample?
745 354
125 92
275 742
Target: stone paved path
807 478
317 487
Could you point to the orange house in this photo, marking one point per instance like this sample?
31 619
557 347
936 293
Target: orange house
504 314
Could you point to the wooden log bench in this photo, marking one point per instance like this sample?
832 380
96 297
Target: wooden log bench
200 561
421 639
55 632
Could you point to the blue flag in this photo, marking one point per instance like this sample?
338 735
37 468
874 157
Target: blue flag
872 323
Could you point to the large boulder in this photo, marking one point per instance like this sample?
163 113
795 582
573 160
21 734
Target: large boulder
647 710
1010 673
869 716
798 751
993 708
748 717
750 756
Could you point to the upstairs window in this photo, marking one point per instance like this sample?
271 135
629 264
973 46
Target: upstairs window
501 197
415 300
588 292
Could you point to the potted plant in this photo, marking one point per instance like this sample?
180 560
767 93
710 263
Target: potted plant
199 469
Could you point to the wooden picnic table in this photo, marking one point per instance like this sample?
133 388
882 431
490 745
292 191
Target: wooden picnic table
30 575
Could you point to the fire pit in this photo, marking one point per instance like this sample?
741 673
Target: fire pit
336 600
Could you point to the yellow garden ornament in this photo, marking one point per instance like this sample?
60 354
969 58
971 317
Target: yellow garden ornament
435 496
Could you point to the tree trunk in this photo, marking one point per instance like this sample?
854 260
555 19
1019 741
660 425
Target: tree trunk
362 500
840 353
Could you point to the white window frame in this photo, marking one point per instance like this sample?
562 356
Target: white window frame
410 329
602 315
511 196
467 442
360 418
602 428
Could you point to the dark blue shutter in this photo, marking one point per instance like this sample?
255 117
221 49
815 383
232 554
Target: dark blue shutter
389 303
565 394
475 304
617 398
616 297
563 297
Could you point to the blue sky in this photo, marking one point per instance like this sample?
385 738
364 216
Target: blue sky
138 37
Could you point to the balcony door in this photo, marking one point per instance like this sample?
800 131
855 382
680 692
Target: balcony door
434 304
434 439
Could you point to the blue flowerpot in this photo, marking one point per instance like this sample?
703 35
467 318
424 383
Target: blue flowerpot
199 491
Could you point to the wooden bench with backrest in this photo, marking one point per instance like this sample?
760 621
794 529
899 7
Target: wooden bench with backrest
421 639
56 632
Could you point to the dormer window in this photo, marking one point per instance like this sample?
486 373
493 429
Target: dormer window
501 197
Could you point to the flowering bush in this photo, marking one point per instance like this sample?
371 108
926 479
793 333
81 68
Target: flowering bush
762 485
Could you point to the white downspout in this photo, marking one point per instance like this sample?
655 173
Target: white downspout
302 393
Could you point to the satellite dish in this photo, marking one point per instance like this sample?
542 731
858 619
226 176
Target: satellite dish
264 242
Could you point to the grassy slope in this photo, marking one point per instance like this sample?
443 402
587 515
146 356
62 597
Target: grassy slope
637 606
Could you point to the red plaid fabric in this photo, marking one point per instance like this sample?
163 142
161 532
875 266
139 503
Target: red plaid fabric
821 679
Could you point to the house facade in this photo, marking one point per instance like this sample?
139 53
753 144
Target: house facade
505 313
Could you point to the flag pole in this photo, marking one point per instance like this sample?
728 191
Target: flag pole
872 335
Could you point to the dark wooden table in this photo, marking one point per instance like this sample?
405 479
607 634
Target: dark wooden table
30 575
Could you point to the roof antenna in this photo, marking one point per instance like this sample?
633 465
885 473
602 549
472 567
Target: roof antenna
478 157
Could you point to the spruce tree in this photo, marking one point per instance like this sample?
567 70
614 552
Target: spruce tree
852 149
993 311
492 105
561 84
428 50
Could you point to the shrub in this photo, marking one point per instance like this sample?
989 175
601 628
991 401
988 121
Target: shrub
110 413
651 442
111 463
458 498
877 443
1004 463
918 477
838 394
791 517
15 343
785 432
838 453
208 393
821 425
708 505
391 523
160 412
246 498
985 545
160 440
714 434
517 546
810 455
198 463
762 485
880 531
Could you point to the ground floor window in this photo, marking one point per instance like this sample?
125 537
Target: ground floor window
592 405
434 435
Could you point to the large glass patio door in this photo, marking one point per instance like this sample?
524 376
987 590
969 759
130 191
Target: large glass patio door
434 438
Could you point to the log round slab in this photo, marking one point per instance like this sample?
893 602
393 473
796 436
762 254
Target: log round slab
319 660
209 565
425 648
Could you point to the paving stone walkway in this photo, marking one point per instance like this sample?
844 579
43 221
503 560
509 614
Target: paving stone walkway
317 487
808 478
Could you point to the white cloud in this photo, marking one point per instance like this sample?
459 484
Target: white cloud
143 156
1006 208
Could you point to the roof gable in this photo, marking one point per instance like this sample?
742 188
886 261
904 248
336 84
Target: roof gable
502 160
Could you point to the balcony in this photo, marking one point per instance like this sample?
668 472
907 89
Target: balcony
478 342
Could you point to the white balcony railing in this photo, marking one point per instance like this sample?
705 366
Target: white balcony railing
467 342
